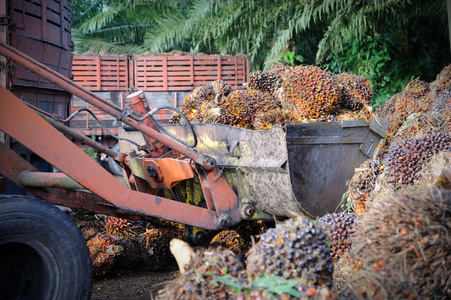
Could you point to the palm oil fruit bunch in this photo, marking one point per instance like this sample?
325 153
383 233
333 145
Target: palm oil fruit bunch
222 89
417 125
404 245
102 251
344 270
414 99
195 99
88 232
295 249
266 120
339 227
229 239
199 281
417 88
405 160
437 171
155 247
356 91
118 227
362 184
441 110
240 108
442 84
311 92
266 81
260 80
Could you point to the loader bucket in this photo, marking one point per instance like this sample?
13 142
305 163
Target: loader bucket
282 172
323 156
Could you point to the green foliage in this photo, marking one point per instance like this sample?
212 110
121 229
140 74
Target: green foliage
83 10
91 152
390 61
114 26
372 58
291 59
346 206
271 285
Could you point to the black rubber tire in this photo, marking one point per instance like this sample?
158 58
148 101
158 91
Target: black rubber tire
114 167
43 254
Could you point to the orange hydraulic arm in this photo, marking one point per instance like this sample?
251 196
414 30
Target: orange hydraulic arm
101 191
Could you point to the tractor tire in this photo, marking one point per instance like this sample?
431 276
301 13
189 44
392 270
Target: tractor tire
43 254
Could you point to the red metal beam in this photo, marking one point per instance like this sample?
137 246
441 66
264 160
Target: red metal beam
11 166
23 124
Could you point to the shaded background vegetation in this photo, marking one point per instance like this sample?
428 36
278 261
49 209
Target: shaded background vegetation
388 42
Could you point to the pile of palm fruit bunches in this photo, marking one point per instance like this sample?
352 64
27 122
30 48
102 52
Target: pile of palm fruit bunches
281 95
390 240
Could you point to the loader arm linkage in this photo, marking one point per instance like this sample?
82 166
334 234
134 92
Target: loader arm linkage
86 184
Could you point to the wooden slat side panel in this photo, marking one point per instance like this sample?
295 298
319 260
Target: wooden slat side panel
101 73
158 73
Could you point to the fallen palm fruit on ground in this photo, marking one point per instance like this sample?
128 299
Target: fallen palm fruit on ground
290 261
419 97
403 243
118 245
362 184
352 271
199 281
339 228
405 160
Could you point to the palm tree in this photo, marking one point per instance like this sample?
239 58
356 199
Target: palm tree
114 26
263 29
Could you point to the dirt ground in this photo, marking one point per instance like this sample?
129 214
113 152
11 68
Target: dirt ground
131 286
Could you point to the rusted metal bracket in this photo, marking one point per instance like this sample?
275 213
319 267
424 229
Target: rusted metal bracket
161 172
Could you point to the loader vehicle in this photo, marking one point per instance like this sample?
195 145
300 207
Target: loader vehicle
206 176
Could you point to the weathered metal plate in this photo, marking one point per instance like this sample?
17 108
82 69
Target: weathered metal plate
257 159
41 29
323 156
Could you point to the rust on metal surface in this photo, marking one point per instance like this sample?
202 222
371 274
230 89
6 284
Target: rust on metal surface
39 136
101 103
225 200
137 104
161 173
12 164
